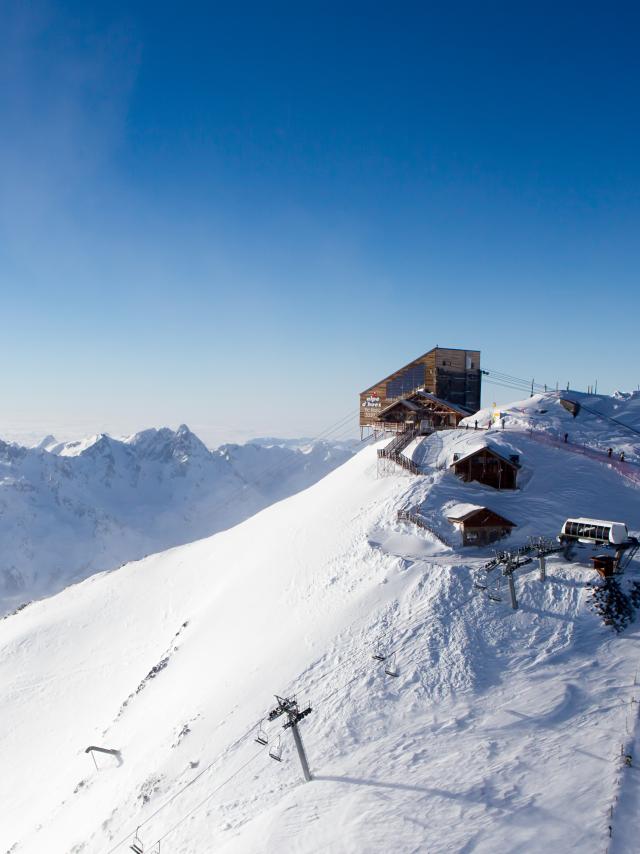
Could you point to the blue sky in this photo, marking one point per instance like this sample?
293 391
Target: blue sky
240 215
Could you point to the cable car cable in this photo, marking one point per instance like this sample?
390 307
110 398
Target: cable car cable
208 798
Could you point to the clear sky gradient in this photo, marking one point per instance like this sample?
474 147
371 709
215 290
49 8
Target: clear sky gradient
240 215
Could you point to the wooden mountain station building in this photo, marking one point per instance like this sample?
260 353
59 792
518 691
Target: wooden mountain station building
479 525
489 465
434 392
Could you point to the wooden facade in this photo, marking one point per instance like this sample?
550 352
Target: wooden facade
480 526
487 465
604 565
420 412
451 375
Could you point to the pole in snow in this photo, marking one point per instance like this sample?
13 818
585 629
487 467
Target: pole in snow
302 756
512 585
543 567
289 707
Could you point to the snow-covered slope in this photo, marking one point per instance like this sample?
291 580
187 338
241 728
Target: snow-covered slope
70 509
502 731
602 422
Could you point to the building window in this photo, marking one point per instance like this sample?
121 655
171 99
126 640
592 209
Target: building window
407 381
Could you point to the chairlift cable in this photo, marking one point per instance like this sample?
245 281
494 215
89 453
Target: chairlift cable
183 789
208 798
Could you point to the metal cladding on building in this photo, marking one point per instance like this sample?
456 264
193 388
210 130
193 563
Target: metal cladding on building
453 376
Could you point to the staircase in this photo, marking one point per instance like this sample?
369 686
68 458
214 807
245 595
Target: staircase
393 451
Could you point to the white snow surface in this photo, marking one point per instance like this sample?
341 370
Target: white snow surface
501 732
601 424
70 509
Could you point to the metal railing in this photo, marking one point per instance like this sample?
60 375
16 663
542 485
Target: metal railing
393 451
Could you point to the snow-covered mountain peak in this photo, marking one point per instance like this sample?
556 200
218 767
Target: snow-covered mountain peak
165 444
47 442
74 508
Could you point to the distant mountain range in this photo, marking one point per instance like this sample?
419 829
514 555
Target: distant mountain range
69 509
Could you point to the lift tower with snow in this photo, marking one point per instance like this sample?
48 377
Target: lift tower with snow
289 707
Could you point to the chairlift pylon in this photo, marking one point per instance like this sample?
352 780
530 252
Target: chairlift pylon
276 750
137 846
261 735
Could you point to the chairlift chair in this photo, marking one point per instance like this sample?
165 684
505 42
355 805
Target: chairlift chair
391 668
261 735
480 580
493 591
137 846
276 750
379 653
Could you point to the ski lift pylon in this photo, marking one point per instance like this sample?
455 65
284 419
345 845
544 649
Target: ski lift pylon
261 735
276 750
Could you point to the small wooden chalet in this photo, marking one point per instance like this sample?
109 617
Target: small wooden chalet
421 411
450 375
604 565
486 464
479 526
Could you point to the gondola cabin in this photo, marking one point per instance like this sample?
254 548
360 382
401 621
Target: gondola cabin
479 526
595 531
486 464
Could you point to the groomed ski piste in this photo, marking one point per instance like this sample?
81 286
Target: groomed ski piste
502 731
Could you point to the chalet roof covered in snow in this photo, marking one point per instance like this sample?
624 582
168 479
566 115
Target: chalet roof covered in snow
458 512
502 452
478 515
460 410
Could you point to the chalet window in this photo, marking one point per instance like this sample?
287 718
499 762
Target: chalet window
588 531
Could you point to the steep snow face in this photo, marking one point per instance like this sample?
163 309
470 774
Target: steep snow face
70 509
501 731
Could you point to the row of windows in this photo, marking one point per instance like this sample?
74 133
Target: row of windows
412 378
469 364
588 531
